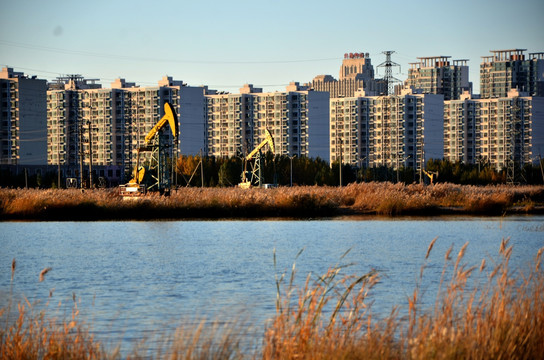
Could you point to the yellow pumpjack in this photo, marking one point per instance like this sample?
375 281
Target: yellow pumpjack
256 172
431 175
135 188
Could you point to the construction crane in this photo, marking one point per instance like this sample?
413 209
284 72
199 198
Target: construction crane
156 176
256 155
431 175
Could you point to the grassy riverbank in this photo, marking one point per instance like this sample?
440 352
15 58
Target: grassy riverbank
499 316
297 202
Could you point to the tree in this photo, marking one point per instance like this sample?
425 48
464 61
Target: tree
229 172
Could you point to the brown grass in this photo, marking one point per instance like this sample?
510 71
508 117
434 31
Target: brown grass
478 314
32 336
501 318
205 340
324 321
299 202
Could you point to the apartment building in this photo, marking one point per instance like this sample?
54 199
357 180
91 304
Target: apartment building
91 125
68 114
459 130
505 70
297 119
393 131
356 73
140 109
439 75
501 132
23 130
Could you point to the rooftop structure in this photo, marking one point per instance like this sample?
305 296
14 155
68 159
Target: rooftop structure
356 72
439 75
505 70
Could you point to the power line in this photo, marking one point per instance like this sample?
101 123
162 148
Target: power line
33 140
101 79
137 58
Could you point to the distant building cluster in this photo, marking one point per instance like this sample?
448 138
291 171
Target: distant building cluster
354 119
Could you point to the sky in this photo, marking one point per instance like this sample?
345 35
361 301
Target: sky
225 44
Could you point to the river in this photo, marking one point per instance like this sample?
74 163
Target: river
132 278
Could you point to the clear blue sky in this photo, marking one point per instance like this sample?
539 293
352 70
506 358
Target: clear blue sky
225 44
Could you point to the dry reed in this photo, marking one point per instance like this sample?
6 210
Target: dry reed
13 265
43 272
503 317
203 340
33 336
300 202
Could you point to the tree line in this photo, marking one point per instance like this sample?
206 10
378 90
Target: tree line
282 170
279 170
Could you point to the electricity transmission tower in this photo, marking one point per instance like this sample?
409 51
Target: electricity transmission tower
390 80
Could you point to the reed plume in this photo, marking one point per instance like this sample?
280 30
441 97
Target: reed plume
13 264
43 272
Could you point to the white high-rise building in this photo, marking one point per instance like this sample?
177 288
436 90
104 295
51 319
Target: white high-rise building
110 124
439 75
393 131
502 132
297 120
23 130
511 69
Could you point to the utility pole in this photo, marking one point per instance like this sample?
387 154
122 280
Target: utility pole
421 165
81 153
388 77
58 170
201 169
541 168
58 148
291 167
361 170
398 165
340 162
174 166
404 158
90 155
511 134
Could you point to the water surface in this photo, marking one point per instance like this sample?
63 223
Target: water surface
131 278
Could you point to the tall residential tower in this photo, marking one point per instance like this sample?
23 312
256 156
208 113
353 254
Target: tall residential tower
439 75
392 131
296 118
511 69
89 125
23 130
505 132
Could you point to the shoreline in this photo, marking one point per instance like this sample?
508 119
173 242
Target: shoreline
297 203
